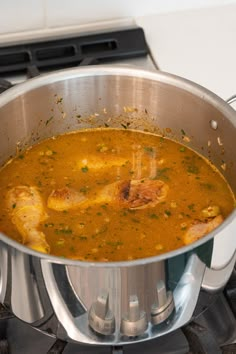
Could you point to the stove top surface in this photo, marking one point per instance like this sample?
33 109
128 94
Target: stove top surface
22 338
26 340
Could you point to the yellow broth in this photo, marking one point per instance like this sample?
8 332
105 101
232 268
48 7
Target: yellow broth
89 160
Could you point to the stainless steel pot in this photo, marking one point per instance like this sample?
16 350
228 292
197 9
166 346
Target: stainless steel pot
122 302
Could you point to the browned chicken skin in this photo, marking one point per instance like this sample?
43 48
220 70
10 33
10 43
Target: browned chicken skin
141 194
27 212
64 199
199 229
132 194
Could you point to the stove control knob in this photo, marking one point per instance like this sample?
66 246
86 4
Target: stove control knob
134 323
100 317
164 306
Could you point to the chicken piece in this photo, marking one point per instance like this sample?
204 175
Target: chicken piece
137 194
200 228
65 199
131 194
27 212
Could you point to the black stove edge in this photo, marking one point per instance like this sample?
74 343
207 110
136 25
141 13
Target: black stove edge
102 47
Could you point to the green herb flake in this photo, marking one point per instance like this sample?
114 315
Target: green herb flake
13 206
193 169
182 149
208 186
83 238
162 173
114 243
183 132
154 216
84 189
191 207
21 156
135 220
104 206
66 231
50 224
84 169
168 212
49 120
149 150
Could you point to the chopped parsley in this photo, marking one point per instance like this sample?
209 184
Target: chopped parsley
83 238
168 212
162 173
84 169
63 231
191 207
154 216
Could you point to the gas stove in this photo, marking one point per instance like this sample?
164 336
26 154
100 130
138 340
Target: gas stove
212 331
213 326
22 61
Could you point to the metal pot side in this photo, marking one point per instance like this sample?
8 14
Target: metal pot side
122 302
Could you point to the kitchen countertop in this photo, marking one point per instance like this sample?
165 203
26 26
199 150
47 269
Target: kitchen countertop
196 44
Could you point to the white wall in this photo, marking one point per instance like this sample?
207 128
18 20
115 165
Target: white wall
19 18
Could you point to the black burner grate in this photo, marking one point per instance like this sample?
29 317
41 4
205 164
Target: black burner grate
201 340
117 350
58 347
4 348
34 58
4 85
68 52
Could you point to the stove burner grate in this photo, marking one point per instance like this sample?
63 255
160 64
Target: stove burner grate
201 340
68 52
4 347
117 350
57 347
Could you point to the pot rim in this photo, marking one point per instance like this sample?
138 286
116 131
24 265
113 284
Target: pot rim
116 70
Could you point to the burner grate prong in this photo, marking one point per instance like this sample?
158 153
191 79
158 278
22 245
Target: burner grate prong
117 350
58 347
200 340
4 347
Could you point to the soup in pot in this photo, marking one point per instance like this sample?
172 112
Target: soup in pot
111 195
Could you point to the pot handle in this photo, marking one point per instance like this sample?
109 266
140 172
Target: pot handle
216 279
231 99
